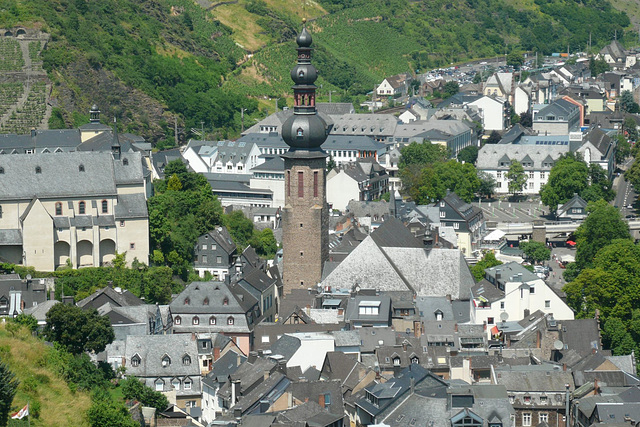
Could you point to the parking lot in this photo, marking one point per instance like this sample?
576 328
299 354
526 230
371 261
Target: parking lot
515 212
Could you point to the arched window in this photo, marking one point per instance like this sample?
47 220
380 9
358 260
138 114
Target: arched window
177 320
58 208
82 207
38 169
105 206
81 168
300 133
396 361
135 360
212 320
186 360
230 320
195 320
159 385
175 383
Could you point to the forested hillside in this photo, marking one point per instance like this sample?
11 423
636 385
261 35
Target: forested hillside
154 62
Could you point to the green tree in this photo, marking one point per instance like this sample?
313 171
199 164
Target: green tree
434 181
488 260
623 149
134 389
630 128
526 119
468 154
536 251
568 176
240 227
450 88
422 154
616 337
27 320
8 388
515 59
628 104
105 411
331 164
174 183
516 176
494 138
487 184
603 225
597 66
157 285
78 330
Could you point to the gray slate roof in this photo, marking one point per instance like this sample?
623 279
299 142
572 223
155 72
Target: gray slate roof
131 206
490 155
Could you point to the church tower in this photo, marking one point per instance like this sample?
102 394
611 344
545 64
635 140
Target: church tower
305 217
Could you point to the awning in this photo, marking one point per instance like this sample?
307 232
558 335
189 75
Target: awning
494 236
568 258
495 331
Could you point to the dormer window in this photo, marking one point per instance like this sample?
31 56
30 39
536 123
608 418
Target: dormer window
81 168
230 320
186 360
187 384
166 361
212 320
177 320
415 360
195 320
187 301
38 169
225 301
135 360
396 361
206 301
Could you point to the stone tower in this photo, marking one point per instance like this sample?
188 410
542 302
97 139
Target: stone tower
305 217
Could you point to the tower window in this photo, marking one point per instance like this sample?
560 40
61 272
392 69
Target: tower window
315 184
58 208
105 206
300 184
288 183
301 73
82 208
299 132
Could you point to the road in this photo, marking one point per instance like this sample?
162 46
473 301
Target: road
625 193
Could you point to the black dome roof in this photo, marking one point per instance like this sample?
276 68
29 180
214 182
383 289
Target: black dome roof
304 38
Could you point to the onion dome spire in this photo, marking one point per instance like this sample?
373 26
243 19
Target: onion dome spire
305 130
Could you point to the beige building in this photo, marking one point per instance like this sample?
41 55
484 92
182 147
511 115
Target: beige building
77 207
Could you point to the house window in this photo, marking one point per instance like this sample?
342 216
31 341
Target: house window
327 399
177 320
125 162
219 259
135 360
543 175
187 384
195 320
132 246
175 383
543 417
121 223
499 175
265 339
105 206
204 259
543 400
186 360
526 419
443 214
502 305
396 361
58 208
230 320
82 208
527 400
530 175
300 184
490 320
456 225
212 320
547 304
159 385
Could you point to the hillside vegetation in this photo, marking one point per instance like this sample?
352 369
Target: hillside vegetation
51 401
155 63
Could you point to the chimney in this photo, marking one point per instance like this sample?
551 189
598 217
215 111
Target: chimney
216 353
266 374
404 346
193 336
282 366
253 356
413 385
595 386
321 400
538 339
498 274
455 327
235 390
564 366
238 359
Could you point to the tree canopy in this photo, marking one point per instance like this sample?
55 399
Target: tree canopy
78 330
488 260
516 176
8 388
468 154
603 225
570 175
536 251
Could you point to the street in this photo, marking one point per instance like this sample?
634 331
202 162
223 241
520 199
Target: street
625 193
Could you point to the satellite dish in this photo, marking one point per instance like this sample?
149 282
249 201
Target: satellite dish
558 345
28 277
504 316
